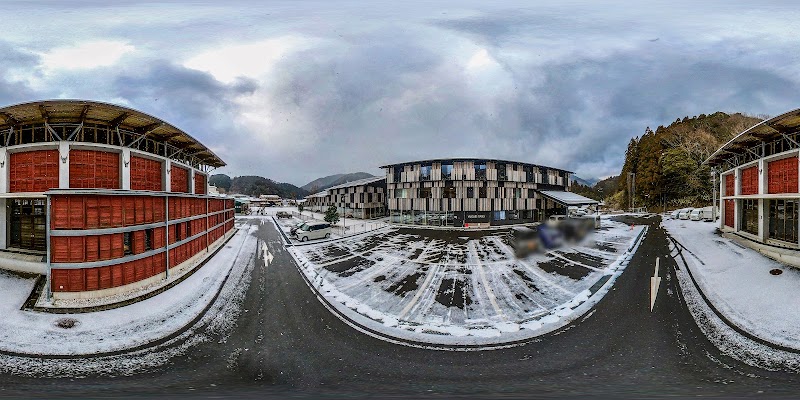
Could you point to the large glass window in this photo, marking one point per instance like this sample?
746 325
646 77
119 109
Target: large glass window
749 217
425 173
470 192
529 176
398 174
447 171
449 193
425 193
482 192
783 220
480 171
501 172
401 193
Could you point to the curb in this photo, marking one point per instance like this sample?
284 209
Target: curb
714 309
605 279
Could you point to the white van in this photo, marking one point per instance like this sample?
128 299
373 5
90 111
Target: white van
707 213
313 230
684 214
696 214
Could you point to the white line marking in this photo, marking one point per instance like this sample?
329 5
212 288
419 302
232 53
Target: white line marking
420 291
655 282
556 255
485 282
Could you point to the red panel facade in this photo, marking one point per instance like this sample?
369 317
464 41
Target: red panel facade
729 212
33 171
749 183
730 188
146 174
78 212
90 169
199 183
782 176
179 179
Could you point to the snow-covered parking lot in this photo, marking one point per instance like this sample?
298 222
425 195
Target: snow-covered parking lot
462 287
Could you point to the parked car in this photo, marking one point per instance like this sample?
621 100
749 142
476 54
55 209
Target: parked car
524 240
550 237
696 214
684 214
283 214
556 220
313 230
708 213
295 227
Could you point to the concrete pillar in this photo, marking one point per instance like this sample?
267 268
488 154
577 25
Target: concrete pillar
4 168
63 164
125 174
762 212
737 190
167 180
722 202
4 225
191 180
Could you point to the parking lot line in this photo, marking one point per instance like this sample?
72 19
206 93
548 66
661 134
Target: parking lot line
485 282
420 291
556 255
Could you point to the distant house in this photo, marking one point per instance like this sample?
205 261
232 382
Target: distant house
364 198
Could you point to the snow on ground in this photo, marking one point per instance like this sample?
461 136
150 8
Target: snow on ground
352 227
738 282
462 287
36 333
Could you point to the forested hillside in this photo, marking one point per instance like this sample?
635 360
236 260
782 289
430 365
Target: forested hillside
667 162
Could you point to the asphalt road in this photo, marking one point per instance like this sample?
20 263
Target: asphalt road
287 342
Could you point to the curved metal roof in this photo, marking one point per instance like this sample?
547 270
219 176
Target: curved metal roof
77 111
433 160
763 131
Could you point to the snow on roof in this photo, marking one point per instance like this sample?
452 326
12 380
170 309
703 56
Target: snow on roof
359 182
567 198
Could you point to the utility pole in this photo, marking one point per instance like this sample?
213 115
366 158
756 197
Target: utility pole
714 194
632 189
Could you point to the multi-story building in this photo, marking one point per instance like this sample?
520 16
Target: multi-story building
111 198
757 173
474 192
364 198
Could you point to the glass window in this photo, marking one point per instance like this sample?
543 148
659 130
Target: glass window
517 193
529 176
449 193
531 193
447 171
398 173
425 173
783 220
425 193
470 192
499 215
482 192
750 216
501 172
148 239
126 243
480 171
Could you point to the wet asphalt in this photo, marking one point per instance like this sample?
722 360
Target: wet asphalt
286 343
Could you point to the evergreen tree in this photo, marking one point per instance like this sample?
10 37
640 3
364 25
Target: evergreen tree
331 215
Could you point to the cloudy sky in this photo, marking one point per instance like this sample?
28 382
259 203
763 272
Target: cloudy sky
296 90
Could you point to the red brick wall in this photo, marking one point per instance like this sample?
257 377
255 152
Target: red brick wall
146 174
33 171
782 176
179 179
93 169
749 180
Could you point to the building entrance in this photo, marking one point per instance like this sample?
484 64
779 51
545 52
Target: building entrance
28 224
